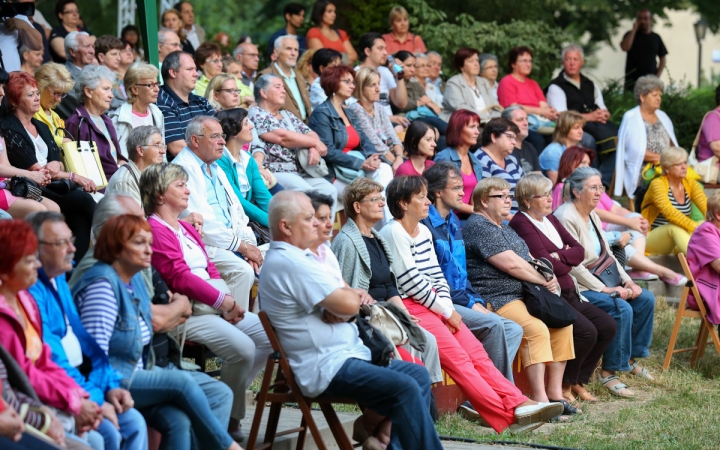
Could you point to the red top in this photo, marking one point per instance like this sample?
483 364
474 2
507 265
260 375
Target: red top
337 44
413 43
527 93
353 141
407 168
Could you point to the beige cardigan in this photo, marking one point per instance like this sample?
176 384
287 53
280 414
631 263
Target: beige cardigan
578 228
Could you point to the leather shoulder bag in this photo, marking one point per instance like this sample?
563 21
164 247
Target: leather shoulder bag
605 267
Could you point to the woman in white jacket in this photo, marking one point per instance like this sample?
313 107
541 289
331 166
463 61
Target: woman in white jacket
142 88
645 132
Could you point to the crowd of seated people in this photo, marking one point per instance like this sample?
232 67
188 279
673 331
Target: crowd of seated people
223 175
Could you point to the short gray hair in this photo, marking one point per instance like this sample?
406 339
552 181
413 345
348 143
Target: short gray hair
90 77
108 207
485 57
576 180
138 137
71 41
573 48
278 42
419 55
38 219
647 84
262 84
155 180
162 35
283 205
507 113
195 126
239 49
173 61
434 53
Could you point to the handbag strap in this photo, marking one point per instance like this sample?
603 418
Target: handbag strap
66 132
603 248
131 173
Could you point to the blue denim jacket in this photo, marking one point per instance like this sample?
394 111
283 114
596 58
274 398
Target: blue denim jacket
450 251
126 346
326 122
55 305
450 154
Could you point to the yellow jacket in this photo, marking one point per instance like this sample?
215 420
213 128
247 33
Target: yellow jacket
657 202
53 124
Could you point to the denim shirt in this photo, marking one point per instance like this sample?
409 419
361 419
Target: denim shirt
450 251
126 346
450 154
329 126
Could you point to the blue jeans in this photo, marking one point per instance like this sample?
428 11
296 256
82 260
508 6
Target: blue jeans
131 435
174 404
400 391
634 327
500 337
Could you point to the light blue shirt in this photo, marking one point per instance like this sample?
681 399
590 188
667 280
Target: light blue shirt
294 89
317 95
550 157
215 192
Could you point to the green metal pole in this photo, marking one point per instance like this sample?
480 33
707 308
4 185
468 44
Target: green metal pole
147 13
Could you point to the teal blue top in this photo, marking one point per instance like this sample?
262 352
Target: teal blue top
256 200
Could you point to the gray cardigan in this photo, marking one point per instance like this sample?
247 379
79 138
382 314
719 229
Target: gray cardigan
459 95
352 255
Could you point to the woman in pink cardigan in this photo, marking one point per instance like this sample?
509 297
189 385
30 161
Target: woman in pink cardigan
21 328
181 259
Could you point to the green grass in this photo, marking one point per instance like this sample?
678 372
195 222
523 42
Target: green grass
676 411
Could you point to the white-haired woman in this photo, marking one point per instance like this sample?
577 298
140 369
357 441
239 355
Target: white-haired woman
645 131
141 88
90 123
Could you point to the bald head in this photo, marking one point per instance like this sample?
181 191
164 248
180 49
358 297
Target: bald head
291 217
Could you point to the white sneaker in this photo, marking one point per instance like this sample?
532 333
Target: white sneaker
515 428
541 412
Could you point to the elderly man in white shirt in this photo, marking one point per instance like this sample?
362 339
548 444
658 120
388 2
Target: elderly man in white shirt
230 243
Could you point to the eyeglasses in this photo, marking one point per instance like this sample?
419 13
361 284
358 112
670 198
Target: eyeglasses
158 146
173 45
59 95
214 137
373 200
349 82
595 189
523 61
457 188
544 196
62 243
229 91
503 197
510 136
155 85
251 55
71 11
213 61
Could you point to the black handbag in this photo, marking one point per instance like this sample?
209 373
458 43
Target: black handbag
61 187
262 233
605 268
381 349
546 306
22 187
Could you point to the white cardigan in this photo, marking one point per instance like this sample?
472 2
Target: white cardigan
122 121
632 144
216 234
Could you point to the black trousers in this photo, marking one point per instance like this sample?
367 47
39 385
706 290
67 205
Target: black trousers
592 333
78 207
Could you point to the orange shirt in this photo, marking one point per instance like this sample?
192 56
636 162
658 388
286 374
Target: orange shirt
337 44
33 343
413 44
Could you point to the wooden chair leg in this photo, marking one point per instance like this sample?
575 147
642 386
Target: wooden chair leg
674 335
261 400
272 424
301 435
702 342
714 336
310 421
341 438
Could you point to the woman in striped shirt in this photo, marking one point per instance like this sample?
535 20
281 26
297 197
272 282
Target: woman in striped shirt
668 205
426 295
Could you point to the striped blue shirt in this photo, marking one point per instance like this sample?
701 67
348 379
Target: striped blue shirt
98 312
178 113
511 173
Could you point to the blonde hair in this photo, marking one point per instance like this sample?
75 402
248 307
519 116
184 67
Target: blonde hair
180 34
396 12
55 75
671 156
215 84
358 190
136 72
304 64
485 187
529 186
565 123
155 180
713 207
363 77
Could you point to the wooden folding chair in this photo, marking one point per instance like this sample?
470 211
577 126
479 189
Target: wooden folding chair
706 328
285 390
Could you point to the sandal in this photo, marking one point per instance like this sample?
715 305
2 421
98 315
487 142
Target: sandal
616 389
568 409
584 395
642 373
568 395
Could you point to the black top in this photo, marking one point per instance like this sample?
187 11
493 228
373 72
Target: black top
60 32
382 286
642 57
581 100
527 157
20 149
187 47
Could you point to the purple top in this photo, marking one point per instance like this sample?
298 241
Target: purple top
709 132
469 183
408 169
82 128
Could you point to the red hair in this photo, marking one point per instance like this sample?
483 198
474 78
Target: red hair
115 235
571 159
16 84
459 120
17 240
330 78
